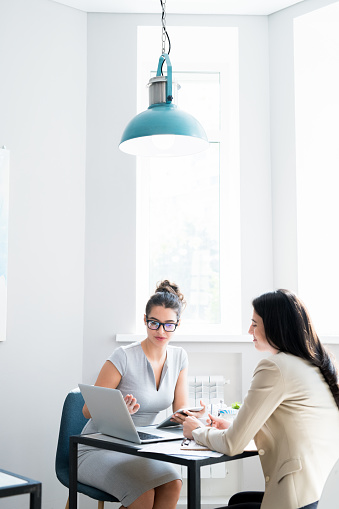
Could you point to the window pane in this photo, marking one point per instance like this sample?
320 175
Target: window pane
184 230
188 221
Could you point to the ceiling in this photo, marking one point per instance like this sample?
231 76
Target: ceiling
244 7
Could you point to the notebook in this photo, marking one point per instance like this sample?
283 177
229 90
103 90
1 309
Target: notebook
111 417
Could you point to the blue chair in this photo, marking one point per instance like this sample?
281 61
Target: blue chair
72 422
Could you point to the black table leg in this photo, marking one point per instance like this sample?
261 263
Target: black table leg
35 497
193 488
73 474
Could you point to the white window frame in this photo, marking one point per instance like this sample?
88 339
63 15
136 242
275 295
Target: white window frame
230 259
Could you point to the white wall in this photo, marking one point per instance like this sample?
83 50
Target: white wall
283 150
110 188
42 123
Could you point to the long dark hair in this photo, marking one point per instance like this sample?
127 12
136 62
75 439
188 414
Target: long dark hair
288 327
167 295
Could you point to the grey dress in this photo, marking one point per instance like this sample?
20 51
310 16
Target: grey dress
123 476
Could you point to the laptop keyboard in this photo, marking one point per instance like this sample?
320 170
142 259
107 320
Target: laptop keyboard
146 436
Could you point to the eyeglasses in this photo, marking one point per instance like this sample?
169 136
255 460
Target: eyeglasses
154 325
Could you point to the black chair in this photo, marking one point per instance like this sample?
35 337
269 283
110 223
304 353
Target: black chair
72 423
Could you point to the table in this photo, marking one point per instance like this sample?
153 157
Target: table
14 484
193 464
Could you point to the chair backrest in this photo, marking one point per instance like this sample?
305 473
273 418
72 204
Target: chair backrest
330 495
72 423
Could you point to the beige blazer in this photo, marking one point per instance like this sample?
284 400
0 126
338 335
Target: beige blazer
291 414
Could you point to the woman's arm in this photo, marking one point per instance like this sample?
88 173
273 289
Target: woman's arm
110 377
181 398
191 423
266 393
181 391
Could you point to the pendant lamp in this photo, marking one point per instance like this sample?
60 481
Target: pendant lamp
163 129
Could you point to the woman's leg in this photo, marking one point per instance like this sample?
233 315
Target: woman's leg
130 479
167 495
145 501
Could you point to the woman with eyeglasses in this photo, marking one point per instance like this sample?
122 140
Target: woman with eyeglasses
291 409
151 375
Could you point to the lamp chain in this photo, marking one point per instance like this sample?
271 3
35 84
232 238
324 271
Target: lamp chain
164 34
163 20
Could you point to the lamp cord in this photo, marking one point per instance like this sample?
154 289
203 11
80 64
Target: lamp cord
164 31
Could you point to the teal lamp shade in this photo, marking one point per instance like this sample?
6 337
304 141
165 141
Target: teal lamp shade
163 129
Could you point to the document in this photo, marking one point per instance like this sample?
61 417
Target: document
191 445
174 448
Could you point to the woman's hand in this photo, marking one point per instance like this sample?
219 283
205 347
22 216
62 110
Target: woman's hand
179 418
217 422
197 414
131 403
190 424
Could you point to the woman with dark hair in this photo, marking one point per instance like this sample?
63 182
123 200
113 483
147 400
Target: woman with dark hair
151 375
291 409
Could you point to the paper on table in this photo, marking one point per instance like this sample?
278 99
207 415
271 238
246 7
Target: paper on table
10 480
203 454
191 445
173 448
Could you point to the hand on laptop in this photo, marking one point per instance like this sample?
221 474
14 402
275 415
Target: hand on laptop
131 403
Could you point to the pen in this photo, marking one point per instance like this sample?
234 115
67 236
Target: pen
186 441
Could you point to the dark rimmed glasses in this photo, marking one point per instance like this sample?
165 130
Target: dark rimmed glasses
155 325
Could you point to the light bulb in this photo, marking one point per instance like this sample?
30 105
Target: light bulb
163 142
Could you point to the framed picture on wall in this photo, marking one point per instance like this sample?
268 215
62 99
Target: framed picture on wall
4 197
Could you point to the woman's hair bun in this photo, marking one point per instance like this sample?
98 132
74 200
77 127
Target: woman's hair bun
167 286
167 295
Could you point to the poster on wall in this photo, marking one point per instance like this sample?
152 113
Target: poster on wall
4 197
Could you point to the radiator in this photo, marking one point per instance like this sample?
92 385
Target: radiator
211 390
208 388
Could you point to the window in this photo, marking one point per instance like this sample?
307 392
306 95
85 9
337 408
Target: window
317 133
188 219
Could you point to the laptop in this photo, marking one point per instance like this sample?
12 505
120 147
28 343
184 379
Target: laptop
111 417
